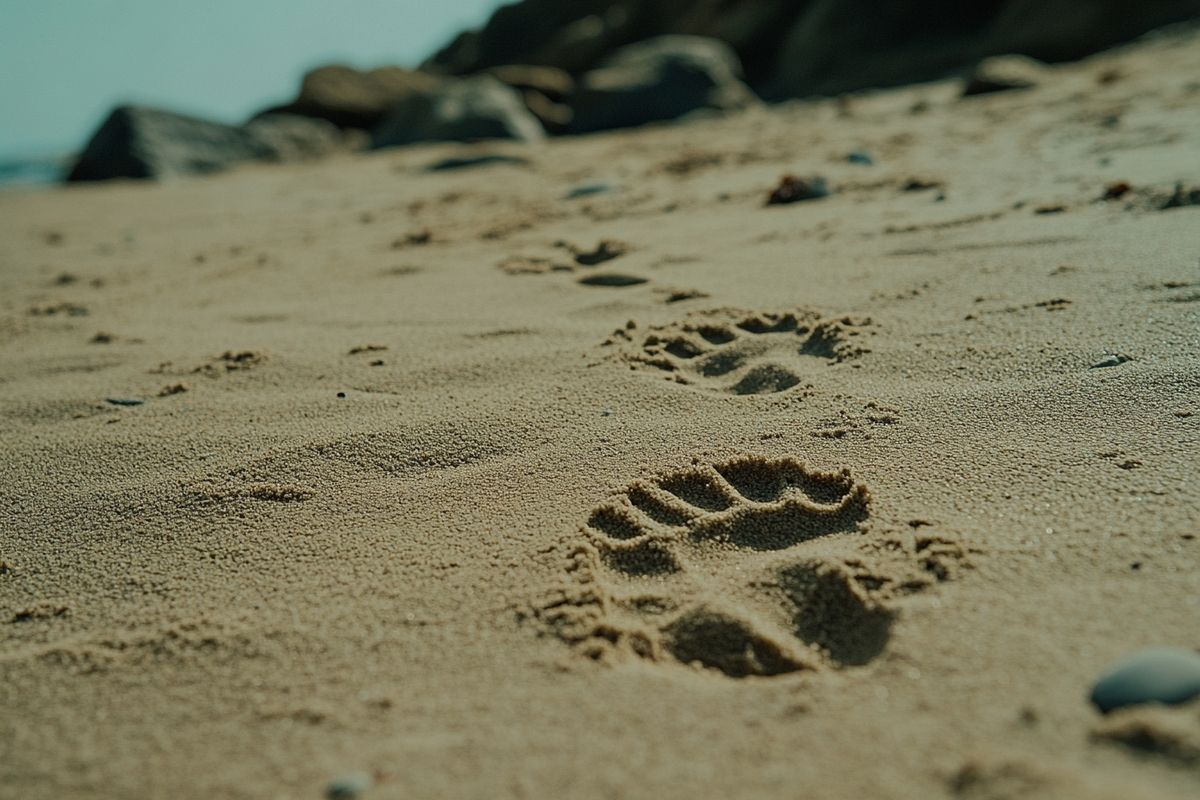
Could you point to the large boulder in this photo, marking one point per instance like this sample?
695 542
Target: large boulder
792 48
544 90
140 142
577 36
534 32
841 45
657 80
351 98
460 110
1061 30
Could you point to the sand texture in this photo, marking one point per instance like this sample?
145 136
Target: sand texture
486 490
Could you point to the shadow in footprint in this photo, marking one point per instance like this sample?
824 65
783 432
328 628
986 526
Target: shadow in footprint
766 379
834 614
723 642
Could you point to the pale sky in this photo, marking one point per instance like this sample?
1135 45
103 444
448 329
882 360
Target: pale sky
65 63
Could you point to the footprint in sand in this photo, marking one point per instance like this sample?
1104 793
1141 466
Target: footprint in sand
579 258
739 352
728 566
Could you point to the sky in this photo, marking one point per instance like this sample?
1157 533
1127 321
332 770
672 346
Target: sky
65 63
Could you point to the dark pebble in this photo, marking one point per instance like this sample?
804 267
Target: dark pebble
859 157
1182 197
123 401
465 162
348 787
793 189
1155 675
1114 360
589 189
612 279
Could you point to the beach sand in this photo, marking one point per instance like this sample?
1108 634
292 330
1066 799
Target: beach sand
485 491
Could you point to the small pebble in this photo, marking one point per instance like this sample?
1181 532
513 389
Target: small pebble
1155 675
1114 360
859 157
612 279
341 394
483 160
123 401
349 786
794 189
1115 191
589 189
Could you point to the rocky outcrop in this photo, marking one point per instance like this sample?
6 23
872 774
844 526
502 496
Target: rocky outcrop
140 142
657 80
1063 30
1004 74
546 92
808 47
836 46
351 98
577 36
459 111
588 65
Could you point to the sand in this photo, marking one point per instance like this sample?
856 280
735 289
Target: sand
654 492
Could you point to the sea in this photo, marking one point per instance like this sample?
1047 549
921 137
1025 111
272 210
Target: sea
35 171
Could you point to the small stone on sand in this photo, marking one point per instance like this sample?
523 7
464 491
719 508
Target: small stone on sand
1155 675
349 786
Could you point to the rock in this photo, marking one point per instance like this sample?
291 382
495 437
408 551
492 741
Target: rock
140 142
1004 73
793 189
542 89
792 49
657 80
576 36
293 138
571 36
555 117
1155 675
351 98
1062 30
1182 197
459 110
586 41
349 786
605 250
860 157
482 160
589 190
1114 360
552 82
836 46
613 279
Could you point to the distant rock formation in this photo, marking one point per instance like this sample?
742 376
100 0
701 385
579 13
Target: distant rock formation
140 142
794 48
351 98
547 66
659 79
480 107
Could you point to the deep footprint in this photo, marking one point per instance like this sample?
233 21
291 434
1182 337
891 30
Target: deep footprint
707 566
743 353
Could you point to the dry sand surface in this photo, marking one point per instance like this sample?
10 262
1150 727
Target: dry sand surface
444 478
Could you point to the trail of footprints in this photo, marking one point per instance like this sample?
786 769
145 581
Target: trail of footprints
750 567
743 353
